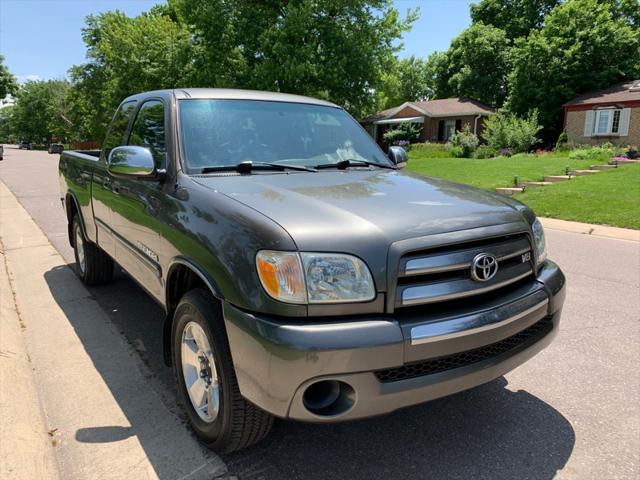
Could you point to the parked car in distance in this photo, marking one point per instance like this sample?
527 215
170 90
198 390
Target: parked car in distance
25 144
1 152
304 274
55 148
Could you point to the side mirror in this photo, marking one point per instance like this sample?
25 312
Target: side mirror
132 161
398 156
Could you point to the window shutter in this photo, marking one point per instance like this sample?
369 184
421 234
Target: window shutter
441 130
625 117
458 125
588 123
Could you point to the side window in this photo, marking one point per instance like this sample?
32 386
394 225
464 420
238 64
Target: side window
118 127
148 130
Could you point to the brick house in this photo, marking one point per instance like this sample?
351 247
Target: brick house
438 119
611 115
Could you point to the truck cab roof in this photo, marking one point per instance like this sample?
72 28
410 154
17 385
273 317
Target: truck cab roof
230 94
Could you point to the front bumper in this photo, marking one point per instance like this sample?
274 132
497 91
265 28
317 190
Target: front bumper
276 359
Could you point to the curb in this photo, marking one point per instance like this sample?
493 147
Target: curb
591 229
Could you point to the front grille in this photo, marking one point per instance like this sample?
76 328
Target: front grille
444 273
469 357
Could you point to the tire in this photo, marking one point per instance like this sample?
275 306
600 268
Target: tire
97 267
236 423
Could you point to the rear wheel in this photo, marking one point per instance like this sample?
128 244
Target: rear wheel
93 266
206 380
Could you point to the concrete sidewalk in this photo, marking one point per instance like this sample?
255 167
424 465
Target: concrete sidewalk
103 418
26 450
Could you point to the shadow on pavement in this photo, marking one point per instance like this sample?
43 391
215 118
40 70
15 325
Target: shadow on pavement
151 409
489 432
103 434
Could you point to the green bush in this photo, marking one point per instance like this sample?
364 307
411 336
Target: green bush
602 152
505 130
457 152
464 143
485 151
404 131
563 141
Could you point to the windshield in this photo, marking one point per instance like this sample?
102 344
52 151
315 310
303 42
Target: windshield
220 133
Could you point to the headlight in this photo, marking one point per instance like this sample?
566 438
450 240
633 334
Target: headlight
314 277
337 278
541 244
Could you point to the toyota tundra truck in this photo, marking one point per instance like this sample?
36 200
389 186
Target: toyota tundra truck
304 273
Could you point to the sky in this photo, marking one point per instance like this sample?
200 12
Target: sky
41 39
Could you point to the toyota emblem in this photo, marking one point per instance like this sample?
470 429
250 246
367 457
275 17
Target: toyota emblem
484 267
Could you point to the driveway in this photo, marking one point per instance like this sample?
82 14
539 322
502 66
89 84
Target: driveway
571 412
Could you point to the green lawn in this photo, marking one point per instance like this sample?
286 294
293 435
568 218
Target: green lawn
610 197
496 172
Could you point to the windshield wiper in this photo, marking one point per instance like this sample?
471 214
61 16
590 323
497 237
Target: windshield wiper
343 164
247 167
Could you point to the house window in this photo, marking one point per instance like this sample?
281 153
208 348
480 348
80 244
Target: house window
449 129
607 122
615 125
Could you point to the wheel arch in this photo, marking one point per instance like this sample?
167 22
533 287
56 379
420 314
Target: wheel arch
71 207
182 275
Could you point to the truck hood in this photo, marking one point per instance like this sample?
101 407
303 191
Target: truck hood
335 209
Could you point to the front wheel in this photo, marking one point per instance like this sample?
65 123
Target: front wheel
206 380
93 265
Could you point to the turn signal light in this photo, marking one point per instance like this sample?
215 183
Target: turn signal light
281 275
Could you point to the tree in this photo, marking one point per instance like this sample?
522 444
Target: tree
515 17
627 10
8 84
336 50
583 46
478 63
40 111
126 56
407 80
7 134
438 74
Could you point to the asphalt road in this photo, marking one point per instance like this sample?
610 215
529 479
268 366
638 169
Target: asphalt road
571 412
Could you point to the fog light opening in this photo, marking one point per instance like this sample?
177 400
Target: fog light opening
329 398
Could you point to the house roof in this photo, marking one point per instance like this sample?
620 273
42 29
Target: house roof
621 92
446 107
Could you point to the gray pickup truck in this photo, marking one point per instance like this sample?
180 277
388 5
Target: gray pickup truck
305 275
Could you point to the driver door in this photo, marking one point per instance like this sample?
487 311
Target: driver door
136 215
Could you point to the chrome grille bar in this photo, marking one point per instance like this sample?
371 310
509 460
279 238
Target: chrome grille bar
461 260
440 292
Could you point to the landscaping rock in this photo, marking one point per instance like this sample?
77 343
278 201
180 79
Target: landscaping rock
621 161
577 173
509 190
602 167
536 184
557 178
